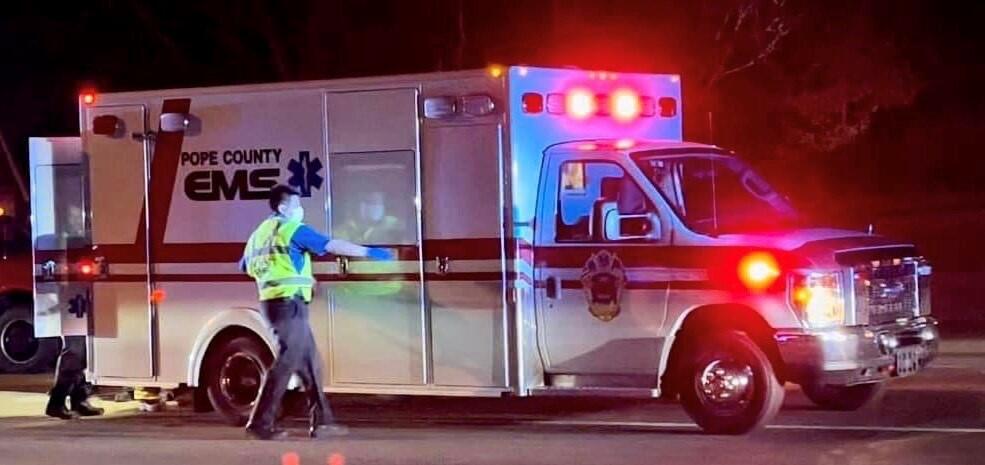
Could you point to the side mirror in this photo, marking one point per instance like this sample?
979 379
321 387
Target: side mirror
631 227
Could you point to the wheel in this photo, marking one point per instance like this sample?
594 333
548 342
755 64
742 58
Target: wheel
233 377
20 351
843 398
728 384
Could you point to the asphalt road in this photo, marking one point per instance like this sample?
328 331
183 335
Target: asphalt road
936 417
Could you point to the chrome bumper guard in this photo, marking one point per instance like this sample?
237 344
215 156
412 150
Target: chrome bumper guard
856 355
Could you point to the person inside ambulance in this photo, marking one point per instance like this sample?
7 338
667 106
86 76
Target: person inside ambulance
278 257
373 224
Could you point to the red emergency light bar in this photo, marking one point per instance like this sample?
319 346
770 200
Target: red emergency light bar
624 104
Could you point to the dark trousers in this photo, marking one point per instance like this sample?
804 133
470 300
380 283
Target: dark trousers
70 380
297 353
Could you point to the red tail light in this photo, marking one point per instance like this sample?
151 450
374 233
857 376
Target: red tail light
91 268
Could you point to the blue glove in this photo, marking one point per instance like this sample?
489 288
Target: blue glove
376 253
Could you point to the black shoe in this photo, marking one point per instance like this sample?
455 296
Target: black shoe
87 410
61 413
266 434
327 431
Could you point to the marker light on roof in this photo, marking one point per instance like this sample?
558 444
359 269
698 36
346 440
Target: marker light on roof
580 104
623 144
88 98
587 146
532 102
668 107
625 105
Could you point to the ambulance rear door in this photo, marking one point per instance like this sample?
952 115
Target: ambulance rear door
60 237
118 152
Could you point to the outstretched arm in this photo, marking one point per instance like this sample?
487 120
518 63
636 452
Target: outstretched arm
343 247
318 244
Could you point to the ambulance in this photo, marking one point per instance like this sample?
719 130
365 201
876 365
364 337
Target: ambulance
553 236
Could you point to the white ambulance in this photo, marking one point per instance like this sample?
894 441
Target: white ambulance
554 235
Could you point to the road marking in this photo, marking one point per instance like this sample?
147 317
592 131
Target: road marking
667 425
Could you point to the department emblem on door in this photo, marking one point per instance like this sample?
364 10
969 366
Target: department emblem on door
603 278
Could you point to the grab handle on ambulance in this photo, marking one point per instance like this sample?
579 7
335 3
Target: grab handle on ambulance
443 264
552 284
343 263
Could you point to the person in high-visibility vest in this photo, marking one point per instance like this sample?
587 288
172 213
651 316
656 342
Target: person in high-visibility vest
278 257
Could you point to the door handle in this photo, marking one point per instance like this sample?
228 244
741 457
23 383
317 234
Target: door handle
551 283
48 270
343 263
443 264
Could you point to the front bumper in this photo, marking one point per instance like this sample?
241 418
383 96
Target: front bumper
856 355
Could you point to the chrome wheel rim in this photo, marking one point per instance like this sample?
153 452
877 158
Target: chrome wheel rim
17 341
240 379
726 385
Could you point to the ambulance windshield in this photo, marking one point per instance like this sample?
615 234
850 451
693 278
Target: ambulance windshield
716 194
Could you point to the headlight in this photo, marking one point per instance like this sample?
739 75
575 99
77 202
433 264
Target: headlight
818 299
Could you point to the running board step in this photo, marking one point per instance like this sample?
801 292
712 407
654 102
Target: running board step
593 391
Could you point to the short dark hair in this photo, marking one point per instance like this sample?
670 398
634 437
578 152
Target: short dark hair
279 194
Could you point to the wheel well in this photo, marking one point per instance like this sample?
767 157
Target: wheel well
224 336
718 317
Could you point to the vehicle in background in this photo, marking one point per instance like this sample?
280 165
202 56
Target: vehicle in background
20 350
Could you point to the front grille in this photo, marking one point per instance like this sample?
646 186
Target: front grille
887 290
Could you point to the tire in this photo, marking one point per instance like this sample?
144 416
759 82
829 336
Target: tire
707 387
842 398
20 351
233 377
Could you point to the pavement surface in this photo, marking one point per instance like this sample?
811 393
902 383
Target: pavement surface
934 417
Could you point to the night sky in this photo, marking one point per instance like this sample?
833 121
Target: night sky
919 64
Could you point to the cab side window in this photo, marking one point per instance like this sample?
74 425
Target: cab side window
587 189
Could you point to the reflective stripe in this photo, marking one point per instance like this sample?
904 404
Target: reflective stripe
267 251
295 281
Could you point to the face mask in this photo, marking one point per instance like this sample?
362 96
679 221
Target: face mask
297 214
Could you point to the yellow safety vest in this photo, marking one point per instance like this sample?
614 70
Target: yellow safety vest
268 261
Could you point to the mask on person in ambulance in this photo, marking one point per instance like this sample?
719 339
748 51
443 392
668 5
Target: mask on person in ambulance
373 212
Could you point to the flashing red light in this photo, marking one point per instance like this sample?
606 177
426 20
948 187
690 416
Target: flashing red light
532 102
625 105
587 146
580 104
86 268
88 98
758 271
